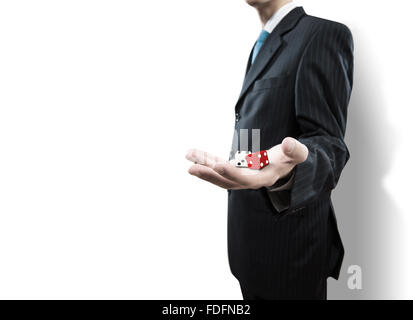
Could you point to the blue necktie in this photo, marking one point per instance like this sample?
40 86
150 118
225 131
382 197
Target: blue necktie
260 41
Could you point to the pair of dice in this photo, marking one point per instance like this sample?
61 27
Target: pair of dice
256 160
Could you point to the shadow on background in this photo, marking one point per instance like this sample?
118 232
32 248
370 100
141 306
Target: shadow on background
368 217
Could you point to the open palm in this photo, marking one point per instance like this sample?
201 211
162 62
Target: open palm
282 159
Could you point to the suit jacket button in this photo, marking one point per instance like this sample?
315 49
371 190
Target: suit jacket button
237 116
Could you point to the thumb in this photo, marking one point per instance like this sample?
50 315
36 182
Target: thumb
294 150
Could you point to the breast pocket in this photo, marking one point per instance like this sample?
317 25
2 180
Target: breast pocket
273 82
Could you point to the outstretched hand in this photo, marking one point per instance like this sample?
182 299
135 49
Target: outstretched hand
282 160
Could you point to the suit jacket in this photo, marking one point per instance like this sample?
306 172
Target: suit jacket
298 86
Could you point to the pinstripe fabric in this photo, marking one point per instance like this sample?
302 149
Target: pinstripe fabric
298 86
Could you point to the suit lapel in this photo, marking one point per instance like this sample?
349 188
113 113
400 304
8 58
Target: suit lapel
271 46
249 61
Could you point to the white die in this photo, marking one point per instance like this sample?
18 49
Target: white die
240 161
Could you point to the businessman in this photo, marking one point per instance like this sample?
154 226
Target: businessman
283 240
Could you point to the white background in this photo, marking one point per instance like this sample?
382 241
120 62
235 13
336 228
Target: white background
99 101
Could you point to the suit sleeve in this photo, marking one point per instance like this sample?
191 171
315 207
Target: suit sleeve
322 91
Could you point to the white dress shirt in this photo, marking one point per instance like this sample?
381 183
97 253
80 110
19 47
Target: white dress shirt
278 16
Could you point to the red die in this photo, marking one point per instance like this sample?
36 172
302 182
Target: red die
257 160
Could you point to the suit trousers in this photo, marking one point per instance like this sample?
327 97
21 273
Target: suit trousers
319 293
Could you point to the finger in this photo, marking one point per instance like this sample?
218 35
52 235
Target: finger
202 157
296 151
211 176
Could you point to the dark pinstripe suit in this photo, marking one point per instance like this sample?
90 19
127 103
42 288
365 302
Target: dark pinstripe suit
298 86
